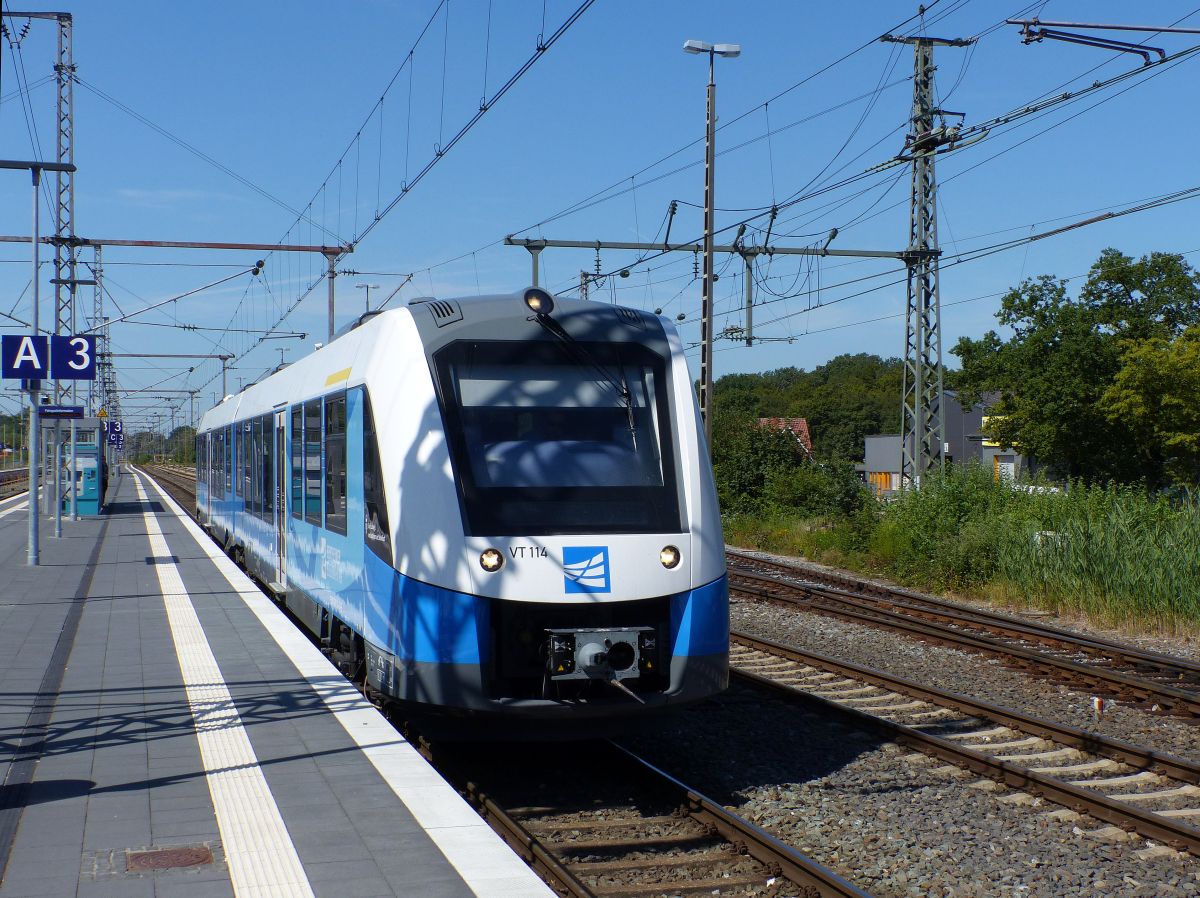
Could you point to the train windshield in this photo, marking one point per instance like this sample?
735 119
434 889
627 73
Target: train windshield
548 438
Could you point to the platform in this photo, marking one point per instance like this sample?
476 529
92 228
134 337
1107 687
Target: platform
168 732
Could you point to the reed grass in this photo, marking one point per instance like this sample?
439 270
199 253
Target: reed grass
1116 554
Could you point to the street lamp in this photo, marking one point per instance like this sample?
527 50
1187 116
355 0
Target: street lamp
368 288
729 51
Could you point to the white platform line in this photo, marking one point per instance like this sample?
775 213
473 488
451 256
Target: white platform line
18 507
487 865
262 859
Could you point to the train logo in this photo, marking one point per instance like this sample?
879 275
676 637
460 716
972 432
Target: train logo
585 569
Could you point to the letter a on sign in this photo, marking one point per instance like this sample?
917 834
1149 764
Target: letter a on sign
24 356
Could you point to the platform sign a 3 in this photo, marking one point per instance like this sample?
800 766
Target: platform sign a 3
24 356
73 358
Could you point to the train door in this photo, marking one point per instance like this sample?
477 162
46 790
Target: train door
281 511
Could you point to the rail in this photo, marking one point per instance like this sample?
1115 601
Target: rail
1162 682
663 842
967 740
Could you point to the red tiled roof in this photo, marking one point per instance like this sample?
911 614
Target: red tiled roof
798 426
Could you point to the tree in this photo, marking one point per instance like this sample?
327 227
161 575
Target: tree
844 400
744 457
1064 354
1157 395
851 396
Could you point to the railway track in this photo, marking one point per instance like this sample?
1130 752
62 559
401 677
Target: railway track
1156 682
1123 785
13 481
633 831
182 481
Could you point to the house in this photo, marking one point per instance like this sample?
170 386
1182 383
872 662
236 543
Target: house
798 427
965 443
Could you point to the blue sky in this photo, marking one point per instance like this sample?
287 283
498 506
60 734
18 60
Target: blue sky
593 142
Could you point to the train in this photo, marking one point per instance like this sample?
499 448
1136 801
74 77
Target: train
490 507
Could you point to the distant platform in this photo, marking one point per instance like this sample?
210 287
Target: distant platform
168 732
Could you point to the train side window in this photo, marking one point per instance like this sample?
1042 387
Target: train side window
239 453
375 515
214 449
335 463
253 469
227 461
266 435
298 461
312 462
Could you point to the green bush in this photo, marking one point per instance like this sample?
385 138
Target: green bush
940 536
1116 553
812 490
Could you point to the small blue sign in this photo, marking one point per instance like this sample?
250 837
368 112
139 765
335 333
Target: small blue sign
585 569
116 427
24 356
73 358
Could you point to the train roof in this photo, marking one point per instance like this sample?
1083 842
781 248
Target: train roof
368 346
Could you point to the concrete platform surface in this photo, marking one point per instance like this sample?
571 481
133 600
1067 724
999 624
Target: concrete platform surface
166 731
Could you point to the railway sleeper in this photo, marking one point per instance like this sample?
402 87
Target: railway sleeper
540 829
686 887
722 854
666 841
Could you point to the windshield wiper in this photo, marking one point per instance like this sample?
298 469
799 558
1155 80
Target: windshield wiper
581 353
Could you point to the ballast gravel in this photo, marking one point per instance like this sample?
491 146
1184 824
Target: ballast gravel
893 822
987 679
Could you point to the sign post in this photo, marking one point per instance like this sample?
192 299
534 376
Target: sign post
34 380
35 430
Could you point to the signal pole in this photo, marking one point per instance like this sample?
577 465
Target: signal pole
64 232
922 430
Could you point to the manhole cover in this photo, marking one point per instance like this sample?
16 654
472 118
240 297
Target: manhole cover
167 858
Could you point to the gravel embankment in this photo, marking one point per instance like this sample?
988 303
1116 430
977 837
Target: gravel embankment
1183 646
974 675
986 679
893 823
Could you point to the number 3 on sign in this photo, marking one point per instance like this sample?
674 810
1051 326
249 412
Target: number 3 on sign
82 351
73 358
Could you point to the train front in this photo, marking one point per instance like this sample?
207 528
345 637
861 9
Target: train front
591 535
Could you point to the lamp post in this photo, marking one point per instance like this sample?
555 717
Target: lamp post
729 51
368 288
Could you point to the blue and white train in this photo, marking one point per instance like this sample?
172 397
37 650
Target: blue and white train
492 505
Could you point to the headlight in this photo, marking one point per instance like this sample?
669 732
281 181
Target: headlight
491 560
539 301
669 556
